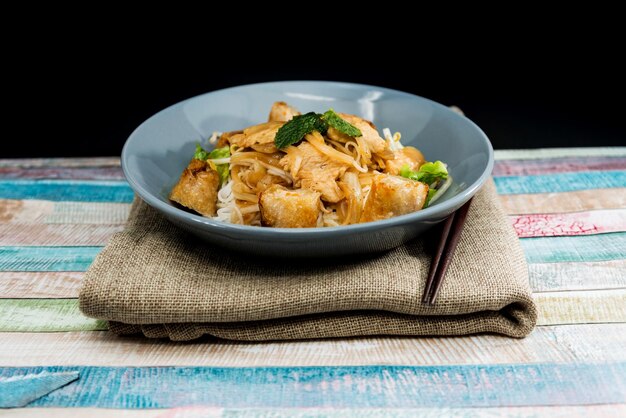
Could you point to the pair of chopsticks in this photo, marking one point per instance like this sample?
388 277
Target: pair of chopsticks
448 241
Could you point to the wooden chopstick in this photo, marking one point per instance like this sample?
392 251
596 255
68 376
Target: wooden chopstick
448 241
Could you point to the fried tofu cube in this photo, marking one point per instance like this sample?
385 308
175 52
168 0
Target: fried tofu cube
393 196
284 208
197 188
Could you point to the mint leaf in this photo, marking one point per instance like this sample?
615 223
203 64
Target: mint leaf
339 124
200 154
428 173
295 129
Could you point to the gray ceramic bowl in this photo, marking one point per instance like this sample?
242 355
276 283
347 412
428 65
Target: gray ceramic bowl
160 148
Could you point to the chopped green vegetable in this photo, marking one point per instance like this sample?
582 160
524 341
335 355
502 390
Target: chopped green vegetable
294 130
200 153
339 124
428 173
431 193
222 169
220 153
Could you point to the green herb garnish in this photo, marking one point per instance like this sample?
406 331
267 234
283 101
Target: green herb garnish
335 121
428 173
301 125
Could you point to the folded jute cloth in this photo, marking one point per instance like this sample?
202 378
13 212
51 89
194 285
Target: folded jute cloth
154 278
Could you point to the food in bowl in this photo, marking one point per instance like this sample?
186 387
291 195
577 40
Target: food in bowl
308 170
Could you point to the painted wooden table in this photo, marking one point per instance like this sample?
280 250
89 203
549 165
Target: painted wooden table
568 207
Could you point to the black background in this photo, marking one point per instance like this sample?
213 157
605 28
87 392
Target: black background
72 96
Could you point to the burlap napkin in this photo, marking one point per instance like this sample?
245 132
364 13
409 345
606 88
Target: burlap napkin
156 279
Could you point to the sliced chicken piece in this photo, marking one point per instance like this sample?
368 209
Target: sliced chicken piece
393 196
314 170
409 156
284 208
197 188
262 134
224 139
375 143
282 112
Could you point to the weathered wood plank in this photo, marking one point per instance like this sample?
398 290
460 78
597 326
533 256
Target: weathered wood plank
578 411
67 190
604 247
562 182
577 276
57 234
61 162
17 258
23 285
74 173
19 391
45 315
582 307
526 154
582 200
48 212
557 165
553 344
339 386
561 224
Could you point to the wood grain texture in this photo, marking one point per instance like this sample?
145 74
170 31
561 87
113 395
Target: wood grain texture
577 276
562 182
563 224
16 258
48 212
57 234
555 344
557 165
582 200
338 386
582 307
526 154
74 173
45 315
604 247
61 162
67 190
578 411
19 391
19 284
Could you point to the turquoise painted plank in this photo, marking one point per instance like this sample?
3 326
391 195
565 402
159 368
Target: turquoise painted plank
603 247
67 190
337 387
562 182
19 391
47 258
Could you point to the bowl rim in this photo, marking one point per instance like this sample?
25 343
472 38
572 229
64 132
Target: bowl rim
440 210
